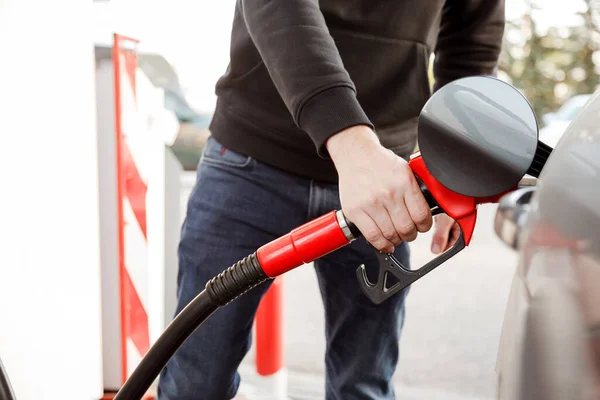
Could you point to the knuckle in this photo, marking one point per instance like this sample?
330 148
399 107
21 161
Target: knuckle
412 237
407 230
421 216
406 179
372 235
382 245
379 242
423 228
371 200
388 193
390 234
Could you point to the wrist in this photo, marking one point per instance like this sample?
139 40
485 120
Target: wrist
350 141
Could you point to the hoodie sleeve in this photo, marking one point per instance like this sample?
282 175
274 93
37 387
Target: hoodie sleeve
469 40
305 66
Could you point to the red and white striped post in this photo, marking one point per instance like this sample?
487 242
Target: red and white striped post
131 214
269 342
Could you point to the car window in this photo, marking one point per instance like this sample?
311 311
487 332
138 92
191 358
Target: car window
571 108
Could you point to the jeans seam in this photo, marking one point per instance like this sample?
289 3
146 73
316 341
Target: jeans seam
213 161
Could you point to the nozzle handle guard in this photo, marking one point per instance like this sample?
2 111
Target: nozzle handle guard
462 209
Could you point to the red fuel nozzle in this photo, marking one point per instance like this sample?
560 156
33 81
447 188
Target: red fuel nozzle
305 244
332 231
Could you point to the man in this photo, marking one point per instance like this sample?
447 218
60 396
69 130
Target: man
318 110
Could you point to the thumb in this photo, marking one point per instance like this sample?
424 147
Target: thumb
440 238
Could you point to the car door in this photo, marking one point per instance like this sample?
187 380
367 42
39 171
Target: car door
550 342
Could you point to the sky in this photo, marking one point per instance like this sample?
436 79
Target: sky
194 35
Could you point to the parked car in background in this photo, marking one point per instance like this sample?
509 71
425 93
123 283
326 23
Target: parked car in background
193 125
193 131
556 123
550 344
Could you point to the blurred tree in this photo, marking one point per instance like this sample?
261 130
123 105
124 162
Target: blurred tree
551 67
583 77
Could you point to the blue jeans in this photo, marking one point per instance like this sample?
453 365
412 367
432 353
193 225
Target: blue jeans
237 205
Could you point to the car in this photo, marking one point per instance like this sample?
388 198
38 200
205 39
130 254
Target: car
556 123
550 340
193 131
193 125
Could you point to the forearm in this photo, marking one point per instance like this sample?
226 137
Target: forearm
469 41
305 66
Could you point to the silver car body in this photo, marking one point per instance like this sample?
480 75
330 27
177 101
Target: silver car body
550 342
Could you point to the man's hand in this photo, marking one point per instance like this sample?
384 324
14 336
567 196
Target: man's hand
445 235
378 190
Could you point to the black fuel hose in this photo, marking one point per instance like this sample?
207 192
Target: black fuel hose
6 392
302 245
220 291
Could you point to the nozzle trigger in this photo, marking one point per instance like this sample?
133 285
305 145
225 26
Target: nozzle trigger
379 291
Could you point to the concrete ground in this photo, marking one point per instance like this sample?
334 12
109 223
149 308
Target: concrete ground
451 334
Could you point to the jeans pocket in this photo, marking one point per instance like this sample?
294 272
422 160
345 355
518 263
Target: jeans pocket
216 154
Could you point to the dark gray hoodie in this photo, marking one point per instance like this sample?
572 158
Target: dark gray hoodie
302 70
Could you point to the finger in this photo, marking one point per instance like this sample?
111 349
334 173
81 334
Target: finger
403 223
417 207
440 238
397 239
371 232
454 234
382 219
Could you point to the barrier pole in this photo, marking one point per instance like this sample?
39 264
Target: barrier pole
269 340
120 196
131 192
